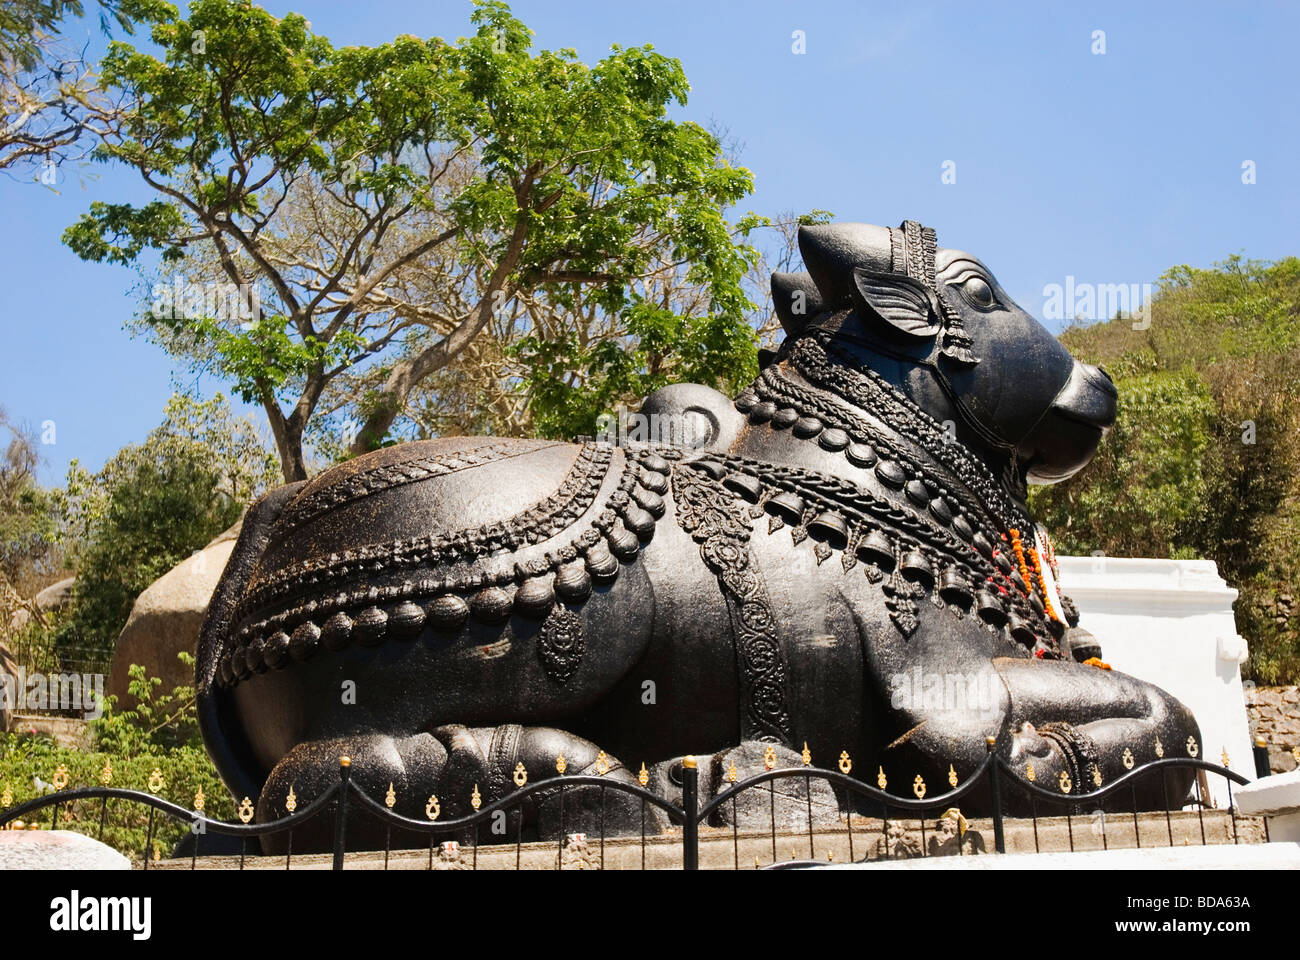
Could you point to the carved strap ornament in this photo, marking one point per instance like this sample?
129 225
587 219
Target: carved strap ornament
721 526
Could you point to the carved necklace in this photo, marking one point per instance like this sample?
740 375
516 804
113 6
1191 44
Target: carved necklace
947 518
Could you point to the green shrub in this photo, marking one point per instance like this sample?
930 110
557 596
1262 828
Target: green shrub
154 747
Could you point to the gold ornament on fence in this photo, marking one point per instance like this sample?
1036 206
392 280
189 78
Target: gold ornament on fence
769 758
732 775
845 763
7 797
199 800
602 763
1096 775
1224 757
106 775
1295 752
60 777
432 808
520 774
1127 759
245 810
390 798
1064 782
881 782
918 787
643 776
155 781
952 776
806 755
476 798
1192 748
1160 748
560 763
291 801
1030 773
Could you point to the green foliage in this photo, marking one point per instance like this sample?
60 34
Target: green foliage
159 734
566 181
1204 460
24 22
1145 488
154 504
157 722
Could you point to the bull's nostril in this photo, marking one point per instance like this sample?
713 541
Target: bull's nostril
1105 374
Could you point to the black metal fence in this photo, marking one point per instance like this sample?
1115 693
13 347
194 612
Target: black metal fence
867 821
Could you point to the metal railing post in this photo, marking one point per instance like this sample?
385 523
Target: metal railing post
1262 767
995 788
341 816
690 808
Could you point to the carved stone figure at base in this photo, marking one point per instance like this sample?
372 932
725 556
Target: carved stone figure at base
845 561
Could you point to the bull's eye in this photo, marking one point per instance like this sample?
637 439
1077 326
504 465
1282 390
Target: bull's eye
976 290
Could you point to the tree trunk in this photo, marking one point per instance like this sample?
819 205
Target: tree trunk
288 439
410 371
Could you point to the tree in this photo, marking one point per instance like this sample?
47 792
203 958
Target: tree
51 108
30 553
515 173
551 365
154 504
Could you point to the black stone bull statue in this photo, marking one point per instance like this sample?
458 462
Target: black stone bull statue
843 559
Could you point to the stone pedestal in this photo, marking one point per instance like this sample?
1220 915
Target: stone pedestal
1170 622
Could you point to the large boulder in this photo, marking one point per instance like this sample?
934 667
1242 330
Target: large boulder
52 598
166 617
56 850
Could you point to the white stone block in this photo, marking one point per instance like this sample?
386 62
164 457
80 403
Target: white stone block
1278 799
1170 622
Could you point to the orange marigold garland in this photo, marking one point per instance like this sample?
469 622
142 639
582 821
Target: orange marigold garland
1042 584
1018 549
1096 662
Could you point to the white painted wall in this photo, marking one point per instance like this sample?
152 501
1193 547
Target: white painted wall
1170 622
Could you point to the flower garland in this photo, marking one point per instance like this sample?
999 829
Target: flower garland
1042 583
1018 548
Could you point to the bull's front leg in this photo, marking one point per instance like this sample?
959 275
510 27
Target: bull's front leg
1067 717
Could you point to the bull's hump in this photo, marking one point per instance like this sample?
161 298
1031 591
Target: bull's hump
429 488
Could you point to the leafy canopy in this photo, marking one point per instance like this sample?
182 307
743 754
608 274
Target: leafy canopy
578 179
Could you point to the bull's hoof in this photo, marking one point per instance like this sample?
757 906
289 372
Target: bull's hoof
786 801
449 774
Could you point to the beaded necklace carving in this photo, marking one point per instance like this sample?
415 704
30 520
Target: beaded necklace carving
933 538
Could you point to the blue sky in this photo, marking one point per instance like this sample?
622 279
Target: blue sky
1109 168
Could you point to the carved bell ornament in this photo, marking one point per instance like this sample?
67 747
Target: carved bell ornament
831 528
876 548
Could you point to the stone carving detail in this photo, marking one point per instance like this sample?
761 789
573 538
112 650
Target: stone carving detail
392 475
370 615
561 645
721 527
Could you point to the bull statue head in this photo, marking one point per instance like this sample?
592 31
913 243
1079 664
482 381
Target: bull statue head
936 323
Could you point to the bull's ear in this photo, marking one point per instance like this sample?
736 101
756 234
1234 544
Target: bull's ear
897 301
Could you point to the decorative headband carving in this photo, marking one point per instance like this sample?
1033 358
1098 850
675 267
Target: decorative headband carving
912 251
